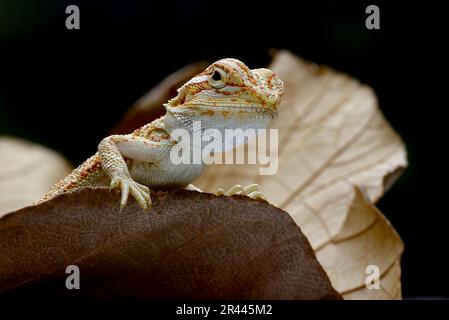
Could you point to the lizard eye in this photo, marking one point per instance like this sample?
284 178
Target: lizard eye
217 79
216 76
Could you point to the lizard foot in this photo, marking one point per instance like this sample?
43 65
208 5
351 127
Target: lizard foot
127 185
251 191
191 187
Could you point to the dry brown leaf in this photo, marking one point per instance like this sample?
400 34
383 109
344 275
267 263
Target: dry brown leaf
27 171
190 245
333 140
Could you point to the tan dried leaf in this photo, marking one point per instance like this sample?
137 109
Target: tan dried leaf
27 171
333 141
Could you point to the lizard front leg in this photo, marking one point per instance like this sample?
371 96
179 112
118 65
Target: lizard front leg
113 149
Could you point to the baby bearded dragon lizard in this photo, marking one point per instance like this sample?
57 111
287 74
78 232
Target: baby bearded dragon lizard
226 95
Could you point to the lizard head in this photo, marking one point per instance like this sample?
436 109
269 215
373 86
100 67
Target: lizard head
227 94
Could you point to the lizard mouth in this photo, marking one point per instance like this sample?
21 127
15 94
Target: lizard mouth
229 111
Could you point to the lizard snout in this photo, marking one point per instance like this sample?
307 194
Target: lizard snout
269 86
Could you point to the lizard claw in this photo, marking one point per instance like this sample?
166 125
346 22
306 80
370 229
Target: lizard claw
251 191
127 185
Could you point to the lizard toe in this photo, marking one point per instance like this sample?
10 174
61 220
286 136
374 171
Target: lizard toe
237 189
255 195
140 193
143 188
250 191
137 194
147 197
115 183
220 192
124 188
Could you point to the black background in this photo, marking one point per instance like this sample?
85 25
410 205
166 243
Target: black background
67 88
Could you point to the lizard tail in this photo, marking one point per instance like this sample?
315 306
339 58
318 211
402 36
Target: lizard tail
88 174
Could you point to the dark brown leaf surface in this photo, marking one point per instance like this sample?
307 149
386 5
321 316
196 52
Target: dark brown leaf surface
189 245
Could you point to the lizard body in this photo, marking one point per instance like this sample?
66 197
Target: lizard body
226 95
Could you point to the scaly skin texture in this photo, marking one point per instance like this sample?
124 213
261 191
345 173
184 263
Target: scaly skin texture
226 95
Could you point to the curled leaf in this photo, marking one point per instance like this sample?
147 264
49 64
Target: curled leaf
365 240
333 139
190 245
27 171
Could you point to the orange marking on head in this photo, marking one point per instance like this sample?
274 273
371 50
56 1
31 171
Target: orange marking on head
241 65
269 79
208 113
